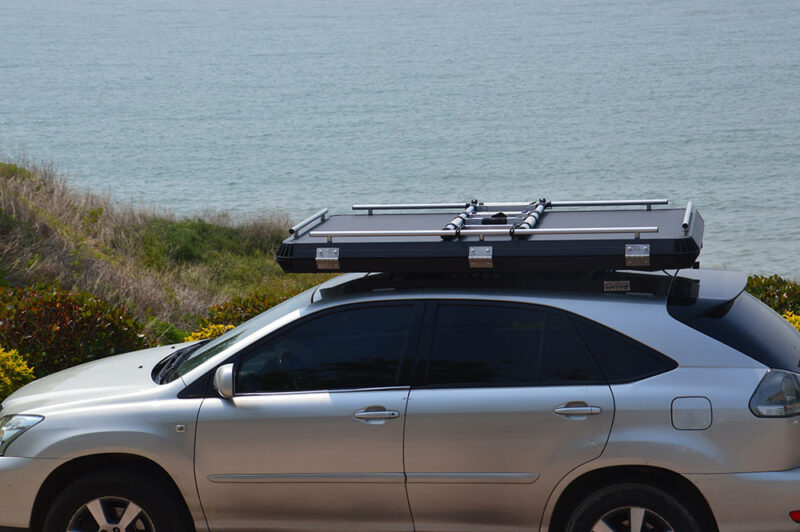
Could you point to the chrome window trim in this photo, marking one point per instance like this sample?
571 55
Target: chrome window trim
344 390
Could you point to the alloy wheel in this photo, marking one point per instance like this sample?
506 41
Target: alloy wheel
110 514
631 519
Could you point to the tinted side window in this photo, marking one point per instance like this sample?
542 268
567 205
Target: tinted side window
564 357
492 345
620 358
352 348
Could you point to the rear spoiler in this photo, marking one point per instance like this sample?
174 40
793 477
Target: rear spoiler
690 297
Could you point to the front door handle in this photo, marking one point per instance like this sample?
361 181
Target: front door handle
581 409
377 414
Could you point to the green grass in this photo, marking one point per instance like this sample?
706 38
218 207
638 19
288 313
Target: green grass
166 243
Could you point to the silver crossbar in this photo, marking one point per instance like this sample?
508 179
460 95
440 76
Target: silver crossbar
510 205
613 203
470 231
401 206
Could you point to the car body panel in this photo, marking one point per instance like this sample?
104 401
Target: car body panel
149 422
749 502
20 479
111 379
302 461
736 441
485 458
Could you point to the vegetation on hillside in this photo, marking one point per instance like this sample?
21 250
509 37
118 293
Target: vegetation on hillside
167 271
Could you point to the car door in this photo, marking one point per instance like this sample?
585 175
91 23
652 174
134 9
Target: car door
312 439
506 401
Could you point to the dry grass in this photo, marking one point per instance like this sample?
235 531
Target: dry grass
162 268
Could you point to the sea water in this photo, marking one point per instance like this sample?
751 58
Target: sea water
260 106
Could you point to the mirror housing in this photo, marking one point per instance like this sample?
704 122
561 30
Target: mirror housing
223 381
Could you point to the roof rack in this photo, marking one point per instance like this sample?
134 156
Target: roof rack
539 235
625 282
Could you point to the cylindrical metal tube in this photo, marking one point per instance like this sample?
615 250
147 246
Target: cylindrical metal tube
459 220
533 218
320 214
400 206
609 203
477 231
508 205
687 216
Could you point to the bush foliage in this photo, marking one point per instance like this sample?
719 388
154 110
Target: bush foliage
14 372
780 294
158 265
240 309
54 329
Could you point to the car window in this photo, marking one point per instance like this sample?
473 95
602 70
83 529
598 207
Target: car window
359 347
621 359
247 328
494 345
565 359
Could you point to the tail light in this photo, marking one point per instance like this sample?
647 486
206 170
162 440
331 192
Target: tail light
778 395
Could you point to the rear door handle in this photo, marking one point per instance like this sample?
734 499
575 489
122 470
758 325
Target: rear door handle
377 414
577 410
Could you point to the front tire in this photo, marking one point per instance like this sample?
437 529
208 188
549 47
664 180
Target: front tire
116 500
632 508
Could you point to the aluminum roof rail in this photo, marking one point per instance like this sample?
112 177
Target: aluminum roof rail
370 208
635 230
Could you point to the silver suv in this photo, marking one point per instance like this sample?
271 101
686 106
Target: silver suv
471 402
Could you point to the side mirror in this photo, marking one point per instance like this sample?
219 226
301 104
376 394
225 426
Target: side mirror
223 381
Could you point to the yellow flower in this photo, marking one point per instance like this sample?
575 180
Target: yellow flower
793 318
14 372
210 331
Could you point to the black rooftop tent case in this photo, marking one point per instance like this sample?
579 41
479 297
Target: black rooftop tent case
474 236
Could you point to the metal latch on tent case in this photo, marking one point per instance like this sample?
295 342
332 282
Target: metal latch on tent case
637 254
327 258
480 256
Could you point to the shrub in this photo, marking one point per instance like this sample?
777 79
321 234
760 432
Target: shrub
240 309
780 294
10 171
161 332
209 331
793 318
54 329
14 372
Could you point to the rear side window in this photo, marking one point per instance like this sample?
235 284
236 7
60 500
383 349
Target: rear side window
620 358
495 345
756 330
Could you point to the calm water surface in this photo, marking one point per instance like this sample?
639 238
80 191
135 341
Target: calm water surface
255 106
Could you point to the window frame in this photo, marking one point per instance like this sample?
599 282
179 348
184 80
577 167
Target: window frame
407 355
